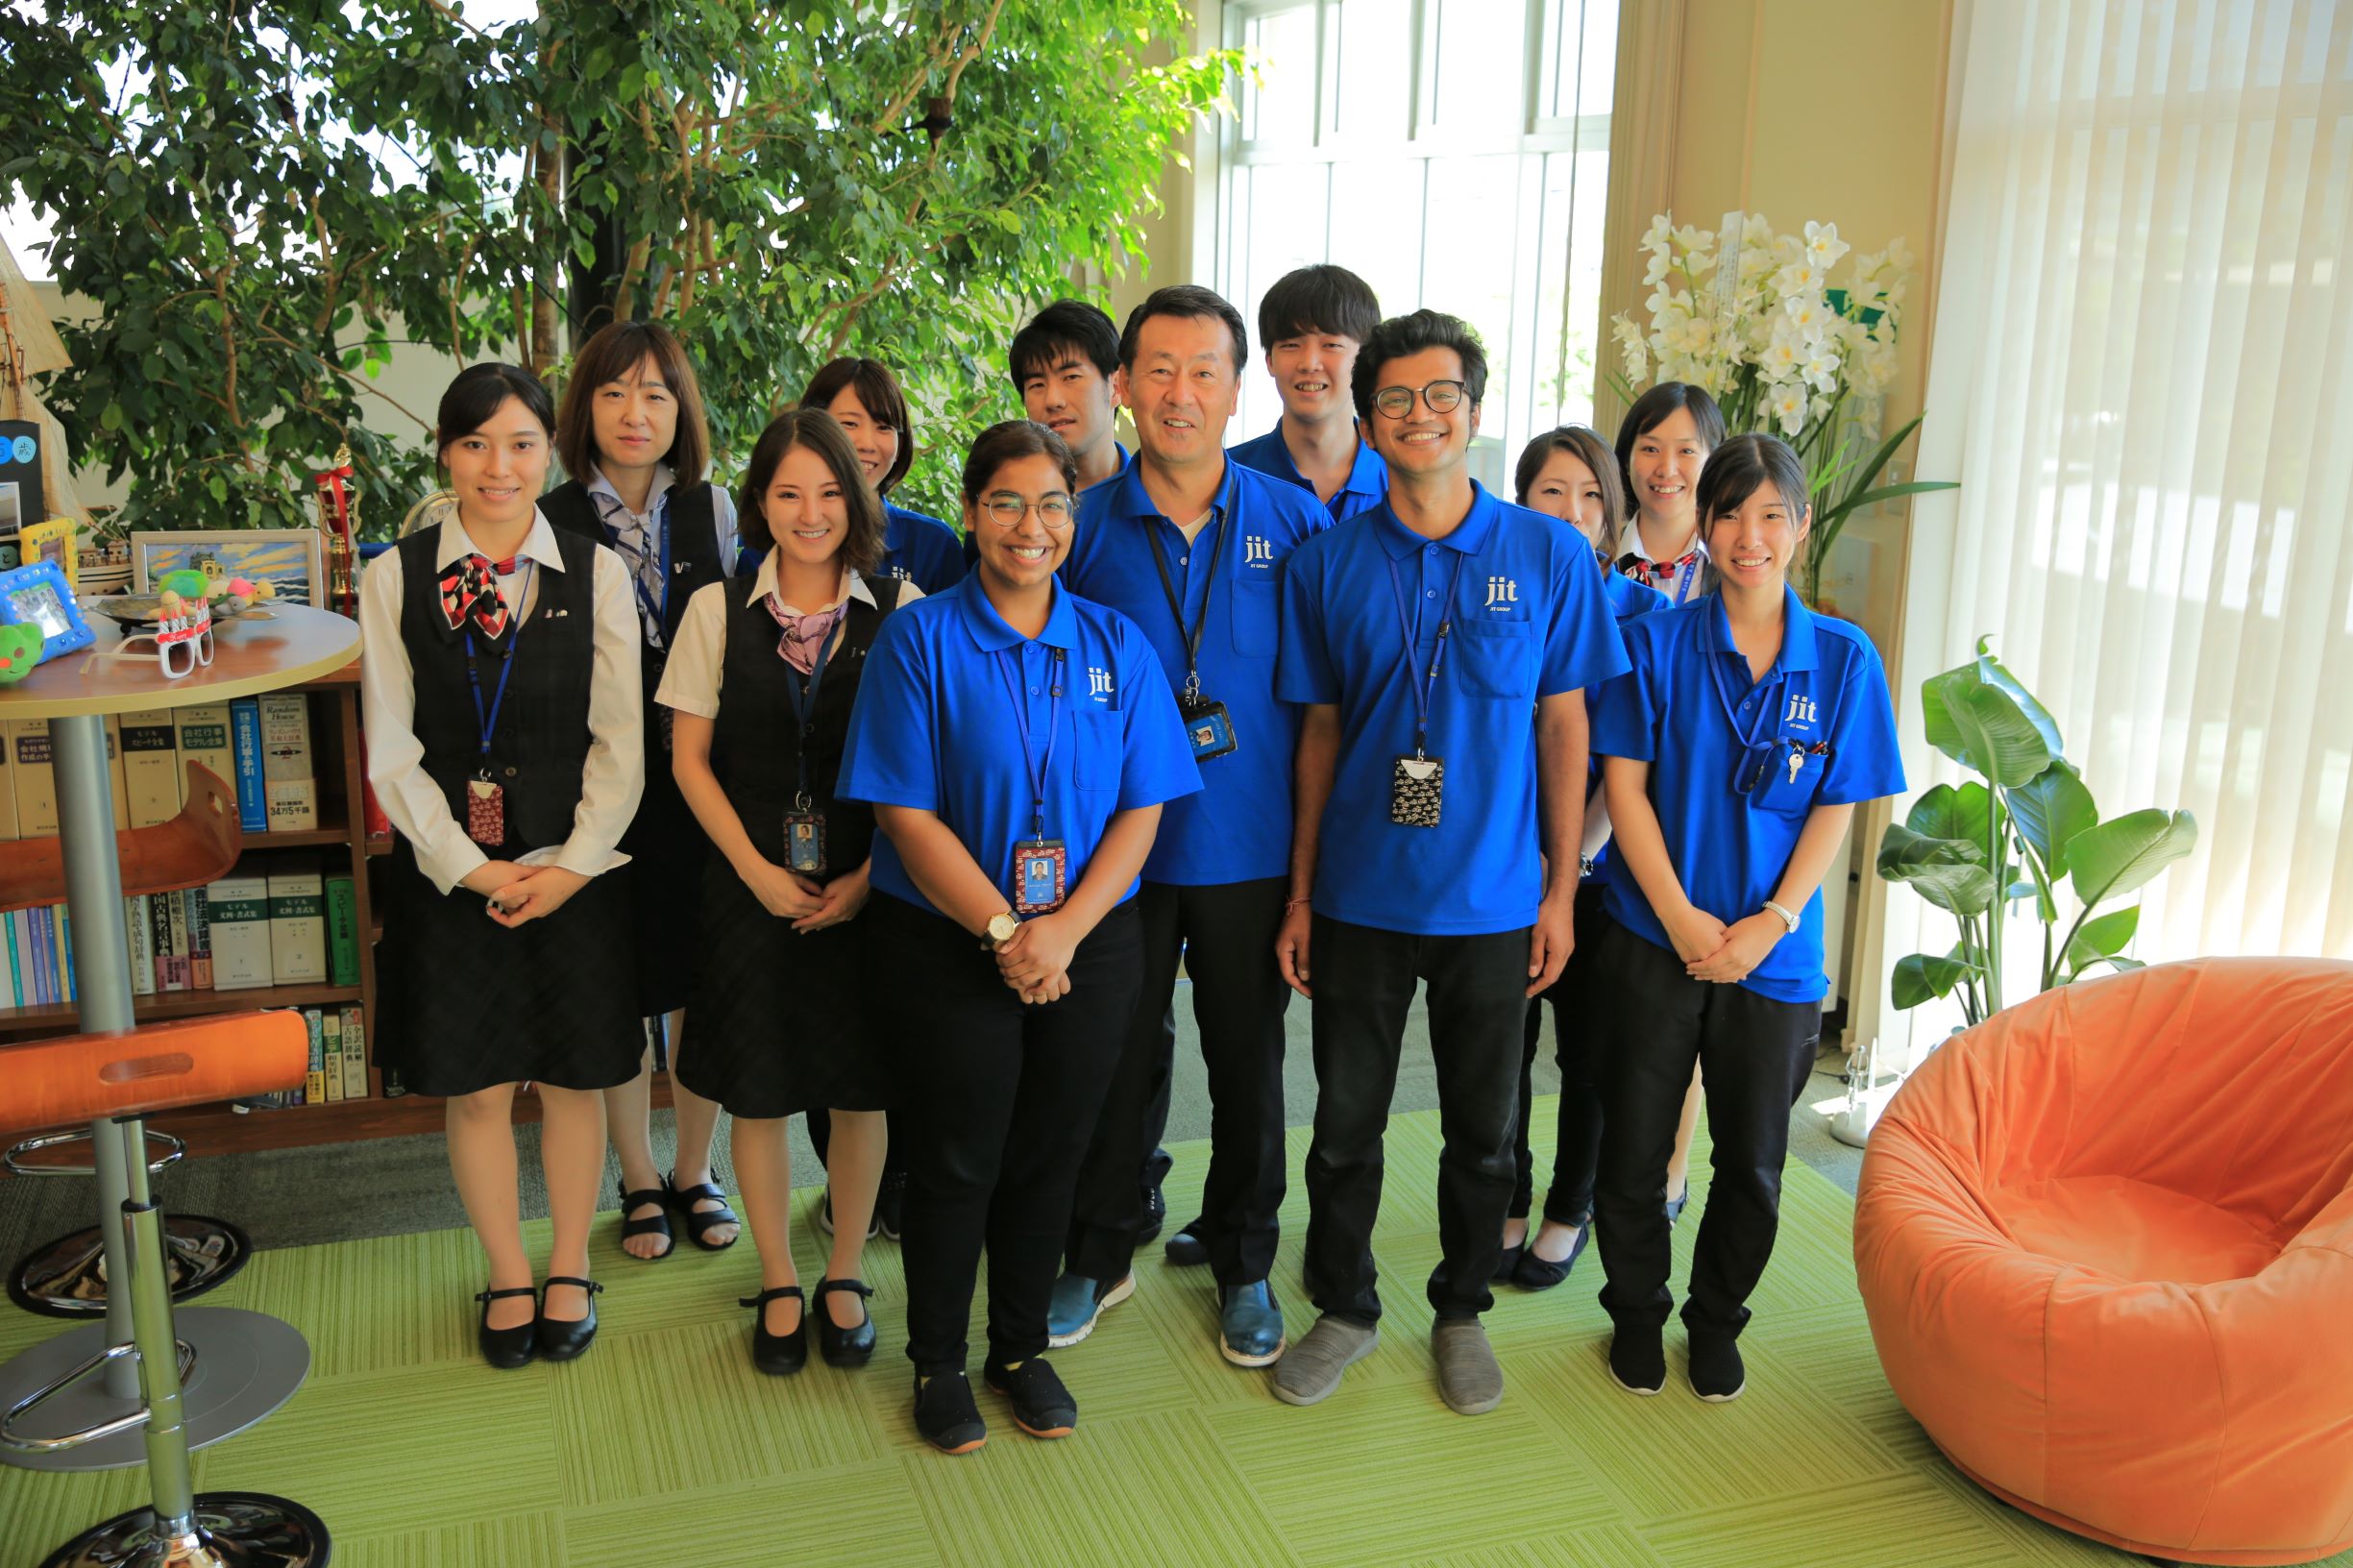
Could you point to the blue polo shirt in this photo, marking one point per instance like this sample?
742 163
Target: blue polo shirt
1239 826
1367 484
1527 621
1682 707
920 548
935 727
1627 598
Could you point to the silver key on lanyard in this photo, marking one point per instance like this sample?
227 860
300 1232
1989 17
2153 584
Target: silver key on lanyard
1797 761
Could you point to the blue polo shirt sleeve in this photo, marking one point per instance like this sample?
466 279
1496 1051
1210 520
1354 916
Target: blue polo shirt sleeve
1582 646
1303 662
1623 711
928 550
1156 765
1865 762
889 758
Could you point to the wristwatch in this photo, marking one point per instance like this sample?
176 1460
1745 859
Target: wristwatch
1001 927
1783 915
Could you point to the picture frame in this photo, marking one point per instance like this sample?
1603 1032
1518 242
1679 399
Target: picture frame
291 561
38 593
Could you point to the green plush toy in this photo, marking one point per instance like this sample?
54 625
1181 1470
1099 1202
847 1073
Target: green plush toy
20 649
187 583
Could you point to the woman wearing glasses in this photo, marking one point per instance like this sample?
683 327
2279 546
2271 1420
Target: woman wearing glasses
1017 743
762 681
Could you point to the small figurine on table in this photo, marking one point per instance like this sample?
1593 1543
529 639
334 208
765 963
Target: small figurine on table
182 634
20 649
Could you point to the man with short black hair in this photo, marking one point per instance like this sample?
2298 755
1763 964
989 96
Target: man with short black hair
1065 365
1313 323
1190 546
1421 634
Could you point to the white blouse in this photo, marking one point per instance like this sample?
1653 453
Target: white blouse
615 774
691 679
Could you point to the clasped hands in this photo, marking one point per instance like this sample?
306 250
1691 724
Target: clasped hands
518 893
1035 961
809 906
1720 953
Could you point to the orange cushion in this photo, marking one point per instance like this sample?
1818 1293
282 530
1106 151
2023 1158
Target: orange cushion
2105 1241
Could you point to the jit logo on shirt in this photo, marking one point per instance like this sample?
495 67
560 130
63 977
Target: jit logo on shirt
1098 681
1502 591
1256 551
1802 712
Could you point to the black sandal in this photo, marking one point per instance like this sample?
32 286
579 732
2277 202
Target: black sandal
656 1223
699 1221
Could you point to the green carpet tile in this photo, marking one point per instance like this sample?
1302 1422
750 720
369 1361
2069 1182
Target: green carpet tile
663 1446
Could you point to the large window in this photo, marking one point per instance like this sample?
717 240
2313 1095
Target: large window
1454 154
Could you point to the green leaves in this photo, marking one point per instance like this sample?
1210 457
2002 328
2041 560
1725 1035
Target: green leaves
1920 978
2120 856
1974 716
1950 873
2050 810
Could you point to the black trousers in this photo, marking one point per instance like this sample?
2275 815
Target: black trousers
1577 1150
1364 981
995 1100
1755 1055
1225 934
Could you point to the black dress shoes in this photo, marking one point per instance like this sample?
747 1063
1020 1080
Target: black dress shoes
562 1339
780 1354
505 1348
840 1346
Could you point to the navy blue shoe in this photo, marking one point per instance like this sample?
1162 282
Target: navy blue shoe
1078 1304
1186 1249
1535 1273
1249 1325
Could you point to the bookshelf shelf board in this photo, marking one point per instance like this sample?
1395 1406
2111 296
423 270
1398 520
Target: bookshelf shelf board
60 1017
308 838
378 847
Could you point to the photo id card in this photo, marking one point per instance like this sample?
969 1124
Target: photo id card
486 813
1415 790
804 843
1208 729
1039 868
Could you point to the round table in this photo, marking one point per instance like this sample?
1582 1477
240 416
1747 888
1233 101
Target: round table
256 1362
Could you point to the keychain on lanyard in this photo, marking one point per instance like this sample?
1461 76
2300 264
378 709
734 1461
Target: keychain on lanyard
1040 865
1417 784
485 796
804 825
1757 758
1209 729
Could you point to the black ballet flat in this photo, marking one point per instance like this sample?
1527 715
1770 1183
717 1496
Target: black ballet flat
1508 1262
840 1346
562 1341
1536 1273
505 1349
778 1355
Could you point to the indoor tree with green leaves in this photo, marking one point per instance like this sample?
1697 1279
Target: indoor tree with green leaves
262 198
2025 831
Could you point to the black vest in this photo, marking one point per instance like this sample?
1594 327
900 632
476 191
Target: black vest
693 551
752 752
540 747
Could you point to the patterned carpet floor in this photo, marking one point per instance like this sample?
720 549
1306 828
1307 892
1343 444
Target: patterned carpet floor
663 1446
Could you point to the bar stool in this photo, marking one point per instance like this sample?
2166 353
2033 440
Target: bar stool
117 1080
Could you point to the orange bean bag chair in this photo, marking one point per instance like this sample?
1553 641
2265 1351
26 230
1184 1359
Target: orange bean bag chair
2105 1241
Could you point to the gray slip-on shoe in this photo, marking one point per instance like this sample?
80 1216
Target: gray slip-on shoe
1310 1369
1469 1379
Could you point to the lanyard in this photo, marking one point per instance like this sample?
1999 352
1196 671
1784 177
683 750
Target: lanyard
1747 734
1176 605
489 722
1425 688
804 706
659 526
1038 769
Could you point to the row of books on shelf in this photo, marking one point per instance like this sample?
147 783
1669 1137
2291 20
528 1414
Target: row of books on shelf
258 746
275 922
338 1063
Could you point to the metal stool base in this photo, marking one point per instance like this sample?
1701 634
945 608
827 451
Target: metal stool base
233 1529
247 1364
67 1277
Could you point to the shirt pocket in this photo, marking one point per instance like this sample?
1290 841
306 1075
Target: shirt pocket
1499 658
1097 751
1788 795
1255 626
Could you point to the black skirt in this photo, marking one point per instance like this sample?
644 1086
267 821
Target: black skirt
664 877
776 1022
464 1003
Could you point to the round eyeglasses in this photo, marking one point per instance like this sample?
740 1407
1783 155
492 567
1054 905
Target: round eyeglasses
1006 510
1438 397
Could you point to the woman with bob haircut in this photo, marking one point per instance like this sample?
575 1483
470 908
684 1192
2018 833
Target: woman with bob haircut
763 682
503 713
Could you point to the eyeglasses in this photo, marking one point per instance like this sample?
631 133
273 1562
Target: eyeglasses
1006 510
1438 397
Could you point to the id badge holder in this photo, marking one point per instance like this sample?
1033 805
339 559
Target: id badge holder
804 843
1208 729
1416 789
485 810
1039 870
